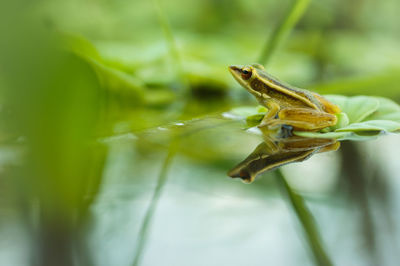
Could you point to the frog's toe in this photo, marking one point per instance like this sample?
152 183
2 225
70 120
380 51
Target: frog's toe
286 131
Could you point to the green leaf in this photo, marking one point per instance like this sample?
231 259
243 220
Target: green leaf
372 125
119 82
357 108
329 135
111 79
338 135
388 110
254 120
245 111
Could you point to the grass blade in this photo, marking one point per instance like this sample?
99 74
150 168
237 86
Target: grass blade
283 29
173 48
306 220
144 229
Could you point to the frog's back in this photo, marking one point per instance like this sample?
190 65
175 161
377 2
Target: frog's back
287 95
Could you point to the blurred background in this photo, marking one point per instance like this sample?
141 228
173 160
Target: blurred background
115 148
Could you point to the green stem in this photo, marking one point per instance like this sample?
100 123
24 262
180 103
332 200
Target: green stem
306 220
144 229
283 29
173 48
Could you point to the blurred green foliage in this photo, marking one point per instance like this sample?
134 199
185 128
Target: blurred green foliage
79 77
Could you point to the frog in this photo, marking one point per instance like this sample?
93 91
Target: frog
288 107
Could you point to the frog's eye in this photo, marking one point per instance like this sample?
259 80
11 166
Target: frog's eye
246 73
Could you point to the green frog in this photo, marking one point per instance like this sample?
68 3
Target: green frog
287 106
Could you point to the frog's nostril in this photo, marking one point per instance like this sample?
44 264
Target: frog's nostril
234 68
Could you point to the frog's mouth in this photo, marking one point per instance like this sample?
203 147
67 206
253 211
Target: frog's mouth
236 72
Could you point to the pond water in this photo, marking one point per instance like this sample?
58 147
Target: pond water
203 214
175 204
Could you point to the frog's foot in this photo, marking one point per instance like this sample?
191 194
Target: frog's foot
277 132
285 131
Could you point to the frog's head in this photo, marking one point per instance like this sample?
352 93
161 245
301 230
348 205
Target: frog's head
245 74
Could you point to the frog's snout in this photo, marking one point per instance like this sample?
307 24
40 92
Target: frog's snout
236 72
234 69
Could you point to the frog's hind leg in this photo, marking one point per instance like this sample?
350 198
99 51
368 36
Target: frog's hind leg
302 119
327 105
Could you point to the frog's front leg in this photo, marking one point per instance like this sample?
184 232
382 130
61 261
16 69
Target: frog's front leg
273 110
303 119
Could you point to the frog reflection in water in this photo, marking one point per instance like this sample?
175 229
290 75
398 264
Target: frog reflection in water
294 108
273 153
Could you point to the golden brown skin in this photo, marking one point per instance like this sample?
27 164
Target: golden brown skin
301 109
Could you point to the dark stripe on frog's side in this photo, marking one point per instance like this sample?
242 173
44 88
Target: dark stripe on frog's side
284 94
